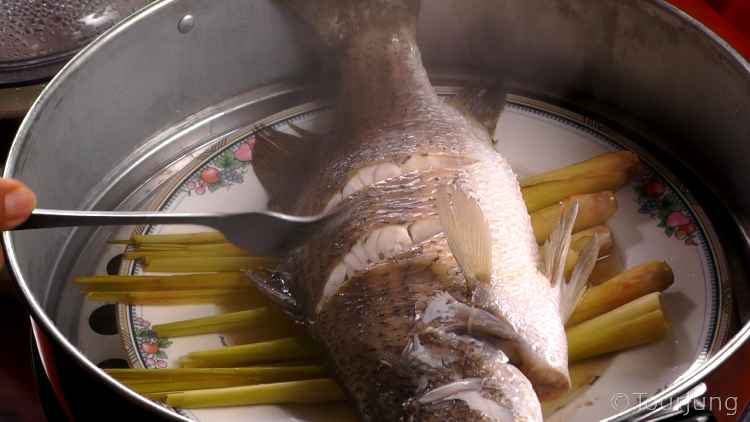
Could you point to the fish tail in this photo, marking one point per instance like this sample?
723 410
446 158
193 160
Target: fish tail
557 246
281 161
556 250
573 290
481 105
338 21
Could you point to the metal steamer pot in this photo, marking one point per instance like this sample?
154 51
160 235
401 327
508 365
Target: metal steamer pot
109 122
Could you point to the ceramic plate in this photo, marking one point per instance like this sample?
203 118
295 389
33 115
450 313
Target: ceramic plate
656 220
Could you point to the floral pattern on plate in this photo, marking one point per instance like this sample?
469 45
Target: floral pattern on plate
149 344
225 170
659 201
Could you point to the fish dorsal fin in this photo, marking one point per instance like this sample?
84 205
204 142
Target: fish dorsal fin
468 233
282 161
572 291
556 248
480 105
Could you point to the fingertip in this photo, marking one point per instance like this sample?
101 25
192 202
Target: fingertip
19 203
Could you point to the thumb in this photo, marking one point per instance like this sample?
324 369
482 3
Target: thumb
16 203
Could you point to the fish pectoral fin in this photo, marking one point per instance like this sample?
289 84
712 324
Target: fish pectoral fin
480 105
572 291
451 314
282 161
556 247
470 391
445 392
467 231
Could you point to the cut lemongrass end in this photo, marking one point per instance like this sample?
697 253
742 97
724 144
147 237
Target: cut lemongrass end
181 379
613 162
627 286
594 209
132 283
633 324
179 297
207 264
252 319
273 351
322 390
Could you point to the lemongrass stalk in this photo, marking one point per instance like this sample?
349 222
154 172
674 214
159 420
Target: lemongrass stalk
613 162
158 396
161 247
253 373
189 238
635 323
178 297
243 320
206 264
321 390
281 350
582 375
226 247
606 267
595 209
228 281
181 379
546 194
141 254
580 239
625 287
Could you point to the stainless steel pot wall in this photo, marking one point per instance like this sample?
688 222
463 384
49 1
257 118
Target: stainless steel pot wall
643 65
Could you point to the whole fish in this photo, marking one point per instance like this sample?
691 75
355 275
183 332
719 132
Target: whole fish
429 294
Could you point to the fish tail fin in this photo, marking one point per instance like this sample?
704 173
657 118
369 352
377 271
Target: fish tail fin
573 290
556 250
468 233
281 162
556 247
481 105
337 21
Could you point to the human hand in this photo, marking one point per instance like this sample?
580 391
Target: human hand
16 203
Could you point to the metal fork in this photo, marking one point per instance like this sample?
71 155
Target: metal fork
262 233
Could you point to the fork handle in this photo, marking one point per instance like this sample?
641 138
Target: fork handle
45 218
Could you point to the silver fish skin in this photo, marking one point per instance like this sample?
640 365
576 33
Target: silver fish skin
410 336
